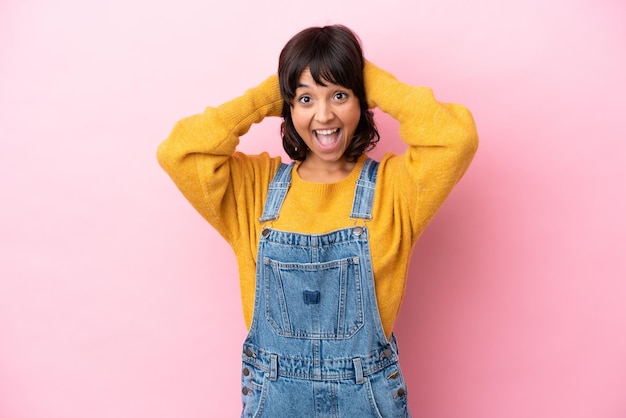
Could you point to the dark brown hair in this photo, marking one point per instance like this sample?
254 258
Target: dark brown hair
333 54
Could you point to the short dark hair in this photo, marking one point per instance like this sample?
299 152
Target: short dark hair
333 54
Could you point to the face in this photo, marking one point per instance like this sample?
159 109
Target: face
326 118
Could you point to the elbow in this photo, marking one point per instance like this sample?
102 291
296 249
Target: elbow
164 156
171 151
467 132
471 142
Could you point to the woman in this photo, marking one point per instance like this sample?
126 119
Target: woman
322 243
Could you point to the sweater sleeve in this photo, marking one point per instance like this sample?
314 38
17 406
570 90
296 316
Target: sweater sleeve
441 139
199 155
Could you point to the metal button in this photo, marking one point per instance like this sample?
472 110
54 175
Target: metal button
250 353
358 230
246 371
245 390
387 353
265 232
401 392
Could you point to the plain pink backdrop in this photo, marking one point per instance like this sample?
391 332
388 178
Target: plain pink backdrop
118 300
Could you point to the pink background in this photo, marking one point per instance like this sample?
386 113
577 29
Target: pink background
118 300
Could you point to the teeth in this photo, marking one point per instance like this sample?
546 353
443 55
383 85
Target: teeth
327 131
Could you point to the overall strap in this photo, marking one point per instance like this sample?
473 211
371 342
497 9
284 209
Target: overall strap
276 192
364 192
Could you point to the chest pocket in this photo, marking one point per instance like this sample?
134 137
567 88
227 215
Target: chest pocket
314 300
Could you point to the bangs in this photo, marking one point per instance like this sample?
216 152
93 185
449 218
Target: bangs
327 69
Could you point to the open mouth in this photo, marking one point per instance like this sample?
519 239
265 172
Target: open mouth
327 138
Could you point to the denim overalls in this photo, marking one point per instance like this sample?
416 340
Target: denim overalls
316 346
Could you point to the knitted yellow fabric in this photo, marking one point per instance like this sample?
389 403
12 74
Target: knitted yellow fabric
228 188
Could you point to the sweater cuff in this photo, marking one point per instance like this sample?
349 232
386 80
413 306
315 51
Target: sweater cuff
253 106
378 83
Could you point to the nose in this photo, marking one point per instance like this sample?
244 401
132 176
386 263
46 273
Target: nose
324 112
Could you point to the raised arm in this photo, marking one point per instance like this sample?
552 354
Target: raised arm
199 155
442 141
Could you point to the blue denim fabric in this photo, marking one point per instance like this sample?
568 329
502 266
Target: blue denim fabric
316 346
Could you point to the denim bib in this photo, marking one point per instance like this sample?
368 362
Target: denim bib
316 346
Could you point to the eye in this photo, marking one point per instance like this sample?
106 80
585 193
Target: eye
341 95
304 99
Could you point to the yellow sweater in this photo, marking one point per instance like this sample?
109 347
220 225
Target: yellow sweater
228 188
